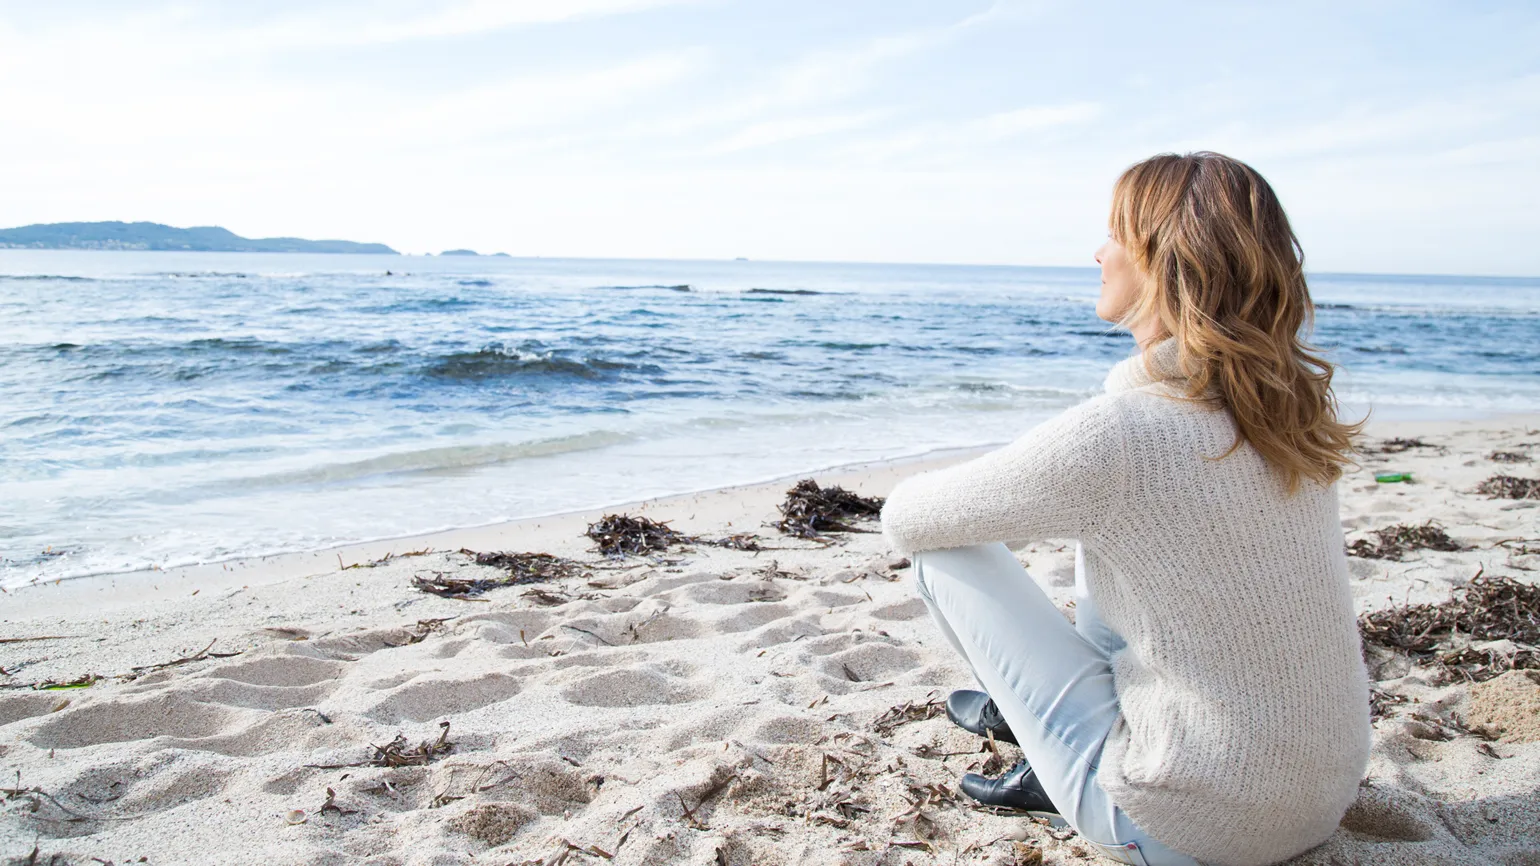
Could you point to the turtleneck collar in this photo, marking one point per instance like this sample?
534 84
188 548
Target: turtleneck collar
1131 373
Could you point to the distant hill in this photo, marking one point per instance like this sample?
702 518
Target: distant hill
459 253
154 236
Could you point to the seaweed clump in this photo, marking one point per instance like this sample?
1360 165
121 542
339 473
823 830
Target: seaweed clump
1508 457
520 567
623 535
746 541
397 753
1399 446
1446 635
1509 487
809 511
1393 542
907 712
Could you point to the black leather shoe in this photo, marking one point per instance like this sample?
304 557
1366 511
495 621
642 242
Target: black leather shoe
1017 789
976 712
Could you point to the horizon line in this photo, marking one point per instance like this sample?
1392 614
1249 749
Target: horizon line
729 260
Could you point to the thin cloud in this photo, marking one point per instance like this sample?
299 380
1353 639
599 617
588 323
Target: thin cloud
1010 124
790 129
365 25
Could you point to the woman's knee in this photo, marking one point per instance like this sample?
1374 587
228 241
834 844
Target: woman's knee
917 566
957 561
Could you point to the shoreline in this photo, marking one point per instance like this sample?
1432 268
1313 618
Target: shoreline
106 591
701 704
111 589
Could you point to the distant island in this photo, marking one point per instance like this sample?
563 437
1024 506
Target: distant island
154 236
459 253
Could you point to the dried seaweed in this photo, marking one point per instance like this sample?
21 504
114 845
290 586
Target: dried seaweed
59 685
1399 445
1380 703
521 568
1508 457
1479 664
425 627
396 754
741 541
545 598
1509 487
527 567
1520 546
923 799
1395 541
134 673
201 655
623 535
909 711
387 558
1441 635
810 511
331 804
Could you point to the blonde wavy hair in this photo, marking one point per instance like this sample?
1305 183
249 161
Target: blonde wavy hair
1222 273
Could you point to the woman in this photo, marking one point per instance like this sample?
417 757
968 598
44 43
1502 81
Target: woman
1210 702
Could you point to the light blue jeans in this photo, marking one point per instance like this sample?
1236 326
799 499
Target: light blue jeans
1052 682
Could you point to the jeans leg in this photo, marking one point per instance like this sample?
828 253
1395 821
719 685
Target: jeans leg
1053 685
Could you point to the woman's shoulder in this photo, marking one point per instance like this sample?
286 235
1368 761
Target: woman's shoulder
1164 410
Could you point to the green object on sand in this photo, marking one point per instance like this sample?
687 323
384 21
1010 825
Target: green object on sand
1392 477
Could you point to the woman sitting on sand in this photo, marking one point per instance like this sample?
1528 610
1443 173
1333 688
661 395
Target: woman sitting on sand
1210 702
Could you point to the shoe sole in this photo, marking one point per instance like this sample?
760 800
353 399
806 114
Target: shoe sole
1054 819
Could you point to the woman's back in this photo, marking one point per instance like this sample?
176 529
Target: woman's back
1242 686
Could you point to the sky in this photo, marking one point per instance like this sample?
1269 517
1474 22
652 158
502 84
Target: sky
1402 137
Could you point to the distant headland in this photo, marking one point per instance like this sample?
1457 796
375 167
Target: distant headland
154 236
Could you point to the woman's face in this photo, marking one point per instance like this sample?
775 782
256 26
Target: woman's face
1120 283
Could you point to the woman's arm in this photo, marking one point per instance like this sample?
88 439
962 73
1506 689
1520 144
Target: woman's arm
1060 480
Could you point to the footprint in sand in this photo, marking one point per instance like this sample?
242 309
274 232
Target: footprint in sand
900 611
513 627
828 600
14 708
629 688
280 731
238 694
786 729
783 631
870 662
122 721
1383 816
733 592
749 617
280 670
425 699
650 625
156 782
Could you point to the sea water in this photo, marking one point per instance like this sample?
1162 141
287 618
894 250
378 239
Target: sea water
159 409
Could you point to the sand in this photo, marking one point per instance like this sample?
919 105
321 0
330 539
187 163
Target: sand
704 706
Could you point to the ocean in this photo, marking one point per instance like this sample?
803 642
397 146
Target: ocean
163 409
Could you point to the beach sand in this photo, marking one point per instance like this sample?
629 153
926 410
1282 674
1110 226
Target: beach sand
706 705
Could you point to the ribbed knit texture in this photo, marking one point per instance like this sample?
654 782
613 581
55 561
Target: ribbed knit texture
1245 706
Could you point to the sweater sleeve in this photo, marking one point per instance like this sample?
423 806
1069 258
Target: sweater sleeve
1057 481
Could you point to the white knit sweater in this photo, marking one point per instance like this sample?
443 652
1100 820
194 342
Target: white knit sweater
1245 706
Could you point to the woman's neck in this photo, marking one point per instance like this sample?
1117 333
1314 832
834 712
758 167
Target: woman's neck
1147 334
